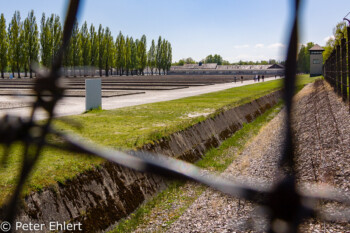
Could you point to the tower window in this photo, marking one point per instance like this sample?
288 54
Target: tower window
316 61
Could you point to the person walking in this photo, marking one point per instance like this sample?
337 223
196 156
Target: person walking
258 78
235 78
241 79
263 77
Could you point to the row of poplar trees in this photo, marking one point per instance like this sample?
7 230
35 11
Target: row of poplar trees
22 45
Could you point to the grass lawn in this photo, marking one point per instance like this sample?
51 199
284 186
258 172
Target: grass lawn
128 127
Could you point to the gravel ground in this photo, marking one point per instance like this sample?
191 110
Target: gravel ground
68 93
216 212
322 128
10 105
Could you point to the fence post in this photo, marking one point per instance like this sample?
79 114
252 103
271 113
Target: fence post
338 70
348 30
334 70
344 68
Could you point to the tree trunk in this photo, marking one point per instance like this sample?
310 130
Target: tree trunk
30 73
100 72
25 72
2 74
18 72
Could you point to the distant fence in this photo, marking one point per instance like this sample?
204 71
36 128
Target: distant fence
337 68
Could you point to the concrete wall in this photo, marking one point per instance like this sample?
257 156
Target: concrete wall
316 69
102 196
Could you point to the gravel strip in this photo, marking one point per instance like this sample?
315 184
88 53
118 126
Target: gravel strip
322 129
10 105
69 93
216 212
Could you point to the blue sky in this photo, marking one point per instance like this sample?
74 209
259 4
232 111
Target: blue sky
235 29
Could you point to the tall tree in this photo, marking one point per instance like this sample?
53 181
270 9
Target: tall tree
31 45
101 48
109 50
46 41
120 53
169 58
75 47
93 49
151 59
328 49
127 55
159 54
303 59
3 45
339 32
216 58
24 50
164 55
56 33
142 54
133 56
15 48
85 46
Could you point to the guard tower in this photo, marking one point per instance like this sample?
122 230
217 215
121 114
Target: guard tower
316 60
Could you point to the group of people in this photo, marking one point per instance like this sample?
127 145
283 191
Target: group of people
235 78
258 77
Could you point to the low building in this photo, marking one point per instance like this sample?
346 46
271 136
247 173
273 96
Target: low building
316 60
238 70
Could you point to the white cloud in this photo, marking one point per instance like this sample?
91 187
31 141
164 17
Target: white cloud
241 46
259 46
327 38
276 45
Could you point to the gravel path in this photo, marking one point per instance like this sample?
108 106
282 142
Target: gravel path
216 212
322 128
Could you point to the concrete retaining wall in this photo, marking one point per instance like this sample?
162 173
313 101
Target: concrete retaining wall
100 197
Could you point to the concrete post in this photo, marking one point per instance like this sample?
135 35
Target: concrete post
348 29
344 69
93 95
338 71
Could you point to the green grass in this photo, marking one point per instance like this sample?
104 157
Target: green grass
216 160
128 127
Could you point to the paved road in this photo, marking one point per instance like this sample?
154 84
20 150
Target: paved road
76 105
